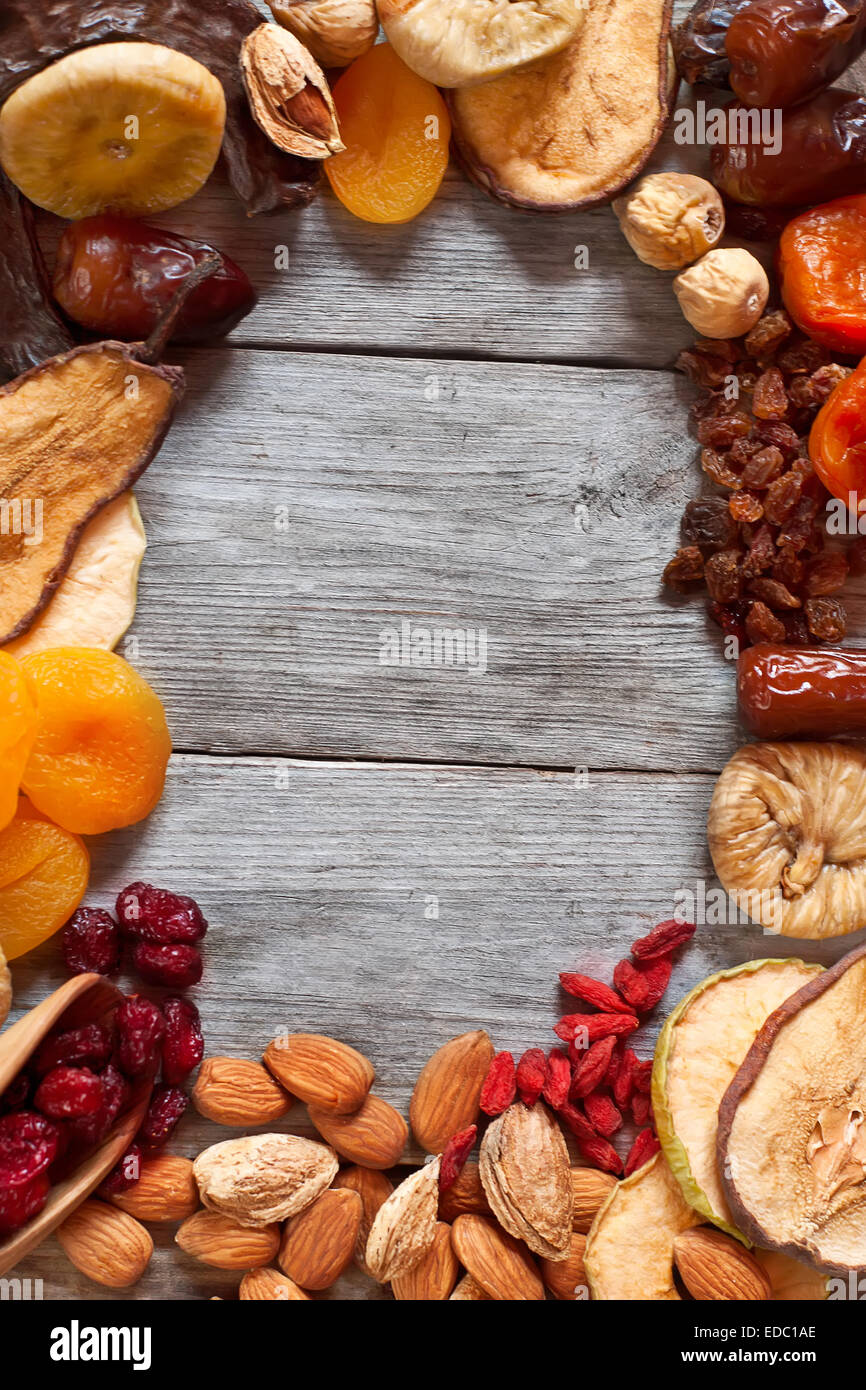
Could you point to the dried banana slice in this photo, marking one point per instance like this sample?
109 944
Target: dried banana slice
787 833
458 43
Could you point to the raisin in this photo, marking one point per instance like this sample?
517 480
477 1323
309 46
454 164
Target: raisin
69 1092
88 1046
703 368
769 398
183 1045
826 574
92 1129
763 467
124 1174
716 467
723 577
746 506
167 1106
802 393
720 431
825 380
768 334
707 521
159 916
91 942
780 435
781 497
774 594
762 553
803 356
826 618
762 625
796 629
857 556
177 967
685 569
140 1031
788 568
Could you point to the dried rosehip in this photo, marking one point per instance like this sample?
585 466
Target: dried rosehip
183 1045
124 1174
92 1129
140 1031
159 916
69 1092
21 1202
89 1046
177 967
167 1106
90 941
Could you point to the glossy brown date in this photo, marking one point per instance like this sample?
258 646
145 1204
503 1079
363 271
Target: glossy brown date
802 692
822 154
116 277
782 52
699 42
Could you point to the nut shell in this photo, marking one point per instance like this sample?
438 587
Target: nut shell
525 1171
335 31
405 1226
263 1178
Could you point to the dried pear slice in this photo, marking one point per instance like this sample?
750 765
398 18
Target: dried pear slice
133 128
630 1246
697 1054
787 833
791 1280
95 601
458 43
572 130
74 434
792 1125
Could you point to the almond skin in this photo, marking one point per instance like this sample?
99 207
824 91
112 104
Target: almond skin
269 1286
374 1189
318 1244
231 1091
465 1196
526 1174
448 1090
375 1136
502 1265
320 1071
261 1178
589 1188
433 1278
469 1291
108 1246
566 1278
715 1267
218 1241
165 1191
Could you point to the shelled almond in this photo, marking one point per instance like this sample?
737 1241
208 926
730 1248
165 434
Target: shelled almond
231 1091
105 1244
319 1243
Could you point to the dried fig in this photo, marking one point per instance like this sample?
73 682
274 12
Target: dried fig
335 31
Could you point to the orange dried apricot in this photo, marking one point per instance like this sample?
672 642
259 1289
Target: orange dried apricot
43 878
17 731
102 744
396 129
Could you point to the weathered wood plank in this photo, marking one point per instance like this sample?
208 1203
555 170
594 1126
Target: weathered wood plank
320 881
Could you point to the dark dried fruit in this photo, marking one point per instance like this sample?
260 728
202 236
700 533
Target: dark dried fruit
762 625
159 916
29 1144
91 942
685 569
32 328
89 1046
500 1085
827 574
183 1045
67 1093
140 1031
17 1093
826 618
768 334
773 593
707 522
124 1174
92 1129
176 967
781 498
166 1109
719 431
454 1156
763 467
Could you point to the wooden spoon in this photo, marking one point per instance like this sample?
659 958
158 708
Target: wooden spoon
83 999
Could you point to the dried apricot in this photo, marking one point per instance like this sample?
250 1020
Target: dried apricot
17 732
102 743
396 130
43 877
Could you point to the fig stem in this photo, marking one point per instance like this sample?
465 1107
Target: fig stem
152 349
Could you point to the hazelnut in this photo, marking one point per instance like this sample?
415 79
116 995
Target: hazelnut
335 31
670 219
724 294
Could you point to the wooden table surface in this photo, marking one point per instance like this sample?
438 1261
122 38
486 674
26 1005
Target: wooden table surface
447 423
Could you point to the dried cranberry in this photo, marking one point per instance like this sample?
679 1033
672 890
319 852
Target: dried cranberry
166 1108
29 1144
17 1093
140 1031
92 1129
19 1204
91 942
89 1046
124 1174
177 967
69 1092
159 916
183 1046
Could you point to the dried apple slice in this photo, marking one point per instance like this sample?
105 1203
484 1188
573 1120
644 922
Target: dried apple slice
697 1054
95 601
792 1125
572 130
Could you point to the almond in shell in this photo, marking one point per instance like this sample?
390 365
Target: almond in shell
501 1265
447 1092
374 1189
108 1246
525 1170
405 1225
216 1240
263 1177
319 1243
375 1136
320 1071
433 1278
269 1286
232 1091
165 1191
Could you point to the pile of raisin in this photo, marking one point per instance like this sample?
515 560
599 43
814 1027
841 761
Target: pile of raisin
758 542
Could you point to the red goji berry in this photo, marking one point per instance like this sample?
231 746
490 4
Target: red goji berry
643 1075
454 1156
593 1069
624 1084
601 1154
640 1108
576 1121
558 1078
644 983
500 1085
645 1145
615 1064
602 1114
531 1075
588 1028
663 939
594 992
